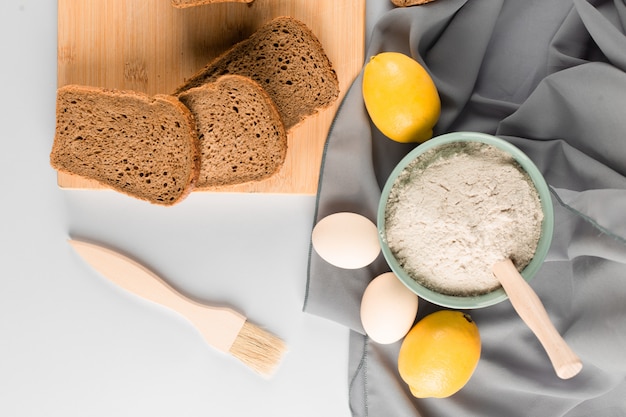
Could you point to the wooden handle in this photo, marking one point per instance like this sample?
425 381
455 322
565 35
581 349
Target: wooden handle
132 276
219 326
529 307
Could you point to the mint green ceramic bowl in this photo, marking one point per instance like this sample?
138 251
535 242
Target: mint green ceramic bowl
498 295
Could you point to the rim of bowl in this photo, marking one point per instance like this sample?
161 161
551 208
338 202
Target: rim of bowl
547 226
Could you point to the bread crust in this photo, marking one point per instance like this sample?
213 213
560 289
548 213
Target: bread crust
407 3
93 156
194 143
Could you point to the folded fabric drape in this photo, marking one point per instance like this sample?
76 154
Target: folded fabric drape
550 77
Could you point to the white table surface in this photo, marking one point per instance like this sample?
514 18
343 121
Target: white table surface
72 344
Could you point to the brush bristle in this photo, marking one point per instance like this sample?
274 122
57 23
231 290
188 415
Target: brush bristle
258 349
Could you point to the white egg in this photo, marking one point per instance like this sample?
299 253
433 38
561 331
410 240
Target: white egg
346 240
388 309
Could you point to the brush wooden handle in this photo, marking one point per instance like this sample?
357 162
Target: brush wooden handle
529 307
219 326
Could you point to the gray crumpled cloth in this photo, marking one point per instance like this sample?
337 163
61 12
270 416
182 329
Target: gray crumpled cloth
550 77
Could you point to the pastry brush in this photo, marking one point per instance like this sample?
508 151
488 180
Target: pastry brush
223 328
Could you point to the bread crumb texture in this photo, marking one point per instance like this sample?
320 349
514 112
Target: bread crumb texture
143 146
241 135
287 60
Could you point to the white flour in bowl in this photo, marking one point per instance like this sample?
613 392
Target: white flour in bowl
457 210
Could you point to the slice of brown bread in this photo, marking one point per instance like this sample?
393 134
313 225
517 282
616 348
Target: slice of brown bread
144 146
407 3
287 60
241 135
192 3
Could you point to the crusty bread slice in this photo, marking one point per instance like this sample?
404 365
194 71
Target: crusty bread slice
144 146
241 135
181 4
287 60
407 3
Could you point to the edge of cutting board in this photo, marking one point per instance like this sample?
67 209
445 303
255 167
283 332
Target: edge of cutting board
153 47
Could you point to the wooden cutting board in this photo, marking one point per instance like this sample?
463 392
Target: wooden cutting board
150 46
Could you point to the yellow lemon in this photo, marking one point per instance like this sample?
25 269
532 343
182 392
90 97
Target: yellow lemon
400 97
439 354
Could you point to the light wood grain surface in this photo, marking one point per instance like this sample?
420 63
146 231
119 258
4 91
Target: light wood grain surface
150 46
